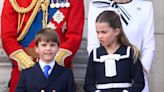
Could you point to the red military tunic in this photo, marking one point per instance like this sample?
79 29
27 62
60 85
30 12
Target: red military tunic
70 38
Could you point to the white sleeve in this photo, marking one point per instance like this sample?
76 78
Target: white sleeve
92 35
148 46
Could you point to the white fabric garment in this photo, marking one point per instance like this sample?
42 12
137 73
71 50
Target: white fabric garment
113 85
110 64
51 64
1 5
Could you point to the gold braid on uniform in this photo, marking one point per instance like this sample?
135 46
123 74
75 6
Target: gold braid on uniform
37 3
44 7
29 22
19 9
22 10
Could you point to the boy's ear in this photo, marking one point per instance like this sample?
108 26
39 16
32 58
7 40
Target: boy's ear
36 49
58 49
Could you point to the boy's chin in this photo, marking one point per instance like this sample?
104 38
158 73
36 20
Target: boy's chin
48 60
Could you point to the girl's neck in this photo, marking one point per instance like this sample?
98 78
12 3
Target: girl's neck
122 1
112 48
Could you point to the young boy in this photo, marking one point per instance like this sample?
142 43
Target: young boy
46 75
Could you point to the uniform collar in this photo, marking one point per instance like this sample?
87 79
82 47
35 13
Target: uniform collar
42 64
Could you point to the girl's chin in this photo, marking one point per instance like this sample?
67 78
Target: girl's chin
103 45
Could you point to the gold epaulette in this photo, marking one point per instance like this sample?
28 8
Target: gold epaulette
24 61
61 55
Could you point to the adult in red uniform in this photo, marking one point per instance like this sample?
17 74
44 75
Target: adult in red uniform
21 19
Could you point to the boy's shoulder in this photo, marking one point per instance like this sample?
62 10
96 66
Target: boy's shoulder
29 69
63 68
56 66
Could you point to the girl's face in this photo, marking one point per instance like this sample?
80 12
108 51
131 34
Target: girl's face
106 34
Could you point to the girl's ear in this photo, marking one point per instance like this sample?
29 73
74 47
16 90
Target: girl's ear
117 31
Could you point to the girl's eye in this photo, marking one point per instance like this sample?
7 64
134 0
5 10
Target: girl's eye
103 32
98 32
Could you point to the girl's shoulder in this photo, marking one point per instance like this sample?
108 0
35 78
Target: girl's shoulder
100 51
124 51
100 54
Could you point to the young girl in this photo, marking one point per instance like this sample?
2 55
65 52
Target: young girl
137 18
115 65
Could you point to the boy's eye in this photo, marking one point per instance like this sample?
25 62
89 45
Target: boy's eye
53 44
43 45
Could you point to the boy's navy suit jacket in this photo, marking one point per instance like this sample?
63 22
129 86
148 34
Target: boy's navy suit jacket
33 80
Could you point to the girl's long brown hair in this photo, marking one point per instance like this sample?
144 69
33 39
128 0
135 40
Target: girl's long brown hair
113 19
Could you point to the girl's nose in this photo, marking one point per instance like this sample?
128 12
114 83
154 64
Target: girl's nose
99 36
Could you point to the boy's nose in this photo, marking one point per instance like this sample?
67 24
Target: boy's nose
48 47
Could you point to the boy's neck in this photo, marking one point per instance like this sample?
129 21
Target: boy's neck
42 64
46 62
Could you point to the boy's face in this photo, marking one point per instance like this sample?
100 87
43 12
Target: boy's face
47 50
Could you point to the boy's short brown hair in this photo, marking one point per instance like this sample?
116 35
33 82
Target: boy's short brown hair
47 34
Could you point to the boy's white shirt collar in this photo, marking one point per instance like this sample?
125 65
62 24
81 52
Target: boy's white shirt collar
42 64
